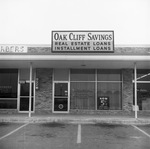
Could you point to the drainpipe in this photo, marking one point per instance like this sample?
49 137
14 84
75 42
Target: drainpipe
30 92
135 89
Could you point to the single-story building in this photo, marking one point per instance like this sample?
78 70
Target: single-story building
70 82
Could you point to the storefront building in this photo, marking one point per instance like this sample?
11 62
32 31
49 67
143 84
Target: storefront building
74 83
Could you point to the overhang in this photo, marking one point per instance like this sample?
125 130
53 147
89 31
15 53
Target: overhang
75 61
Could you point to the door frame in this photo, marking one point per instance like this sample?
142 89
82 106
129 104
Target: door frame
53 96
19 89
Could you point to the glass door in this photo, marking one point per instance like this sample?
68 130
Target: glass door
24 97
61 97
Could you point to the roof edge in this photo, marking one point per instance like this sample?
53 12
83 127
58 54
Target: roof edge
49 45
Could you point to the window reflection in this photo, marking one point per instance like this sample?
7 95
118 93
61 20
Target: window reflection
143 75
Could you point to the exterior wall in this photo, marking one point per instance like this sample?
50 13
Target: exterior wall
117 51
43 96
127 95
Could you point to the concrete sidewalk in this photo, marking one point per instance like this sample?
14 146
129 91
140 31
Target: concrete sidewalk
74 119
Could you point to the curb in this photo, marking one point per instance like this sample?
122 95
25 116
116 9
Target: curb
112 121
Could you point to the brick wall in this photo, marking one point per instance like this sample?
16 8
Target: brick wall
127 95
117 51
43 96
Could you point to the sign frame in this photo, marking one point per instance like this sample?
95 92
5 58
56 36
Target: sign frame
86 31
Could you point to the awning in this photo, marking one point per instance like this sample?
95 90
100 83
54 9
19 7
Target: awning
75 61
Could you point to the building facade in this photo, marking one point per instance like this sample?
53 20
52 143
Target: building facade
74 83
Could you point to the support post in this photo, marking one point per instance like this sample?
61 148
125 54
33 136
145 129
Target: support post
30 88
135 89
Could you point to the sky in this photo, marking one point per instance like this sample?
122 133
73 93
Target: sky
31 21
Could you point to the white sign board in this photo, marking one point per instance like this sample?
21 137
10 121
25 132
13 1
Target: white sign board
13 49
82 41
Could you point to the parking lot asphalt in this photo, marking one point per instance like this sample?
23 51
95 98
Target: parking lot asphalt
56 135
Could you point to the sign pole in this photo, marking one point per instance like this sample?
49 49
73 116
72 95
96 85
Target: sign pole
135 89
30 92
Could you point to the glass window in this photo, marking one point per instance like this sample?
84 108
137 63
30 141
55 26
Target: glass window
8 88
143 75
25 74
109 89
61 74
82 75
25 89
143 96
143 89
112 91
83 95
24 104
82 89
8 104
109 75
61 89
8 83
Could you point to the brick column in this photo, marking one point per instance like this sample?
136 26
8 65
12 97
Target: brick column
127 100
43 96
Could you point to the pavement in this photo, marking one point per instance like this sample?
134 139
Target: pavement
69 118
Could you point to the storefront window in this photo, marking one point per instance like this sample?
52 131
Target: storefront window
85 88
82 95
8 88
143 96
143 89
112 91
82 89
109 89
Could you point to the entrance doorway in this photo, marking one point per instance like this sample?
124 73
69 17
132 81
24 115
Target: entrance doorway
25 96
61 103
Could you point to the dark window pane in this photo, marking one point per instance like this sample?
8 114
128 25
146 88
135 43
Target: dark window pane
25 89
8 83
143 96
112 91
24 104
61 104
61 89
82 75
143 75
8 104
